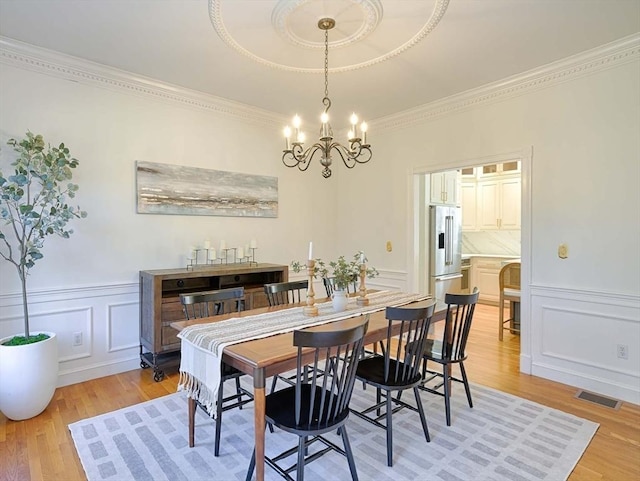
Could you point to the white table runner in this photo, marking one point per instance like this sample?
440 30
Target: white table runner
202 344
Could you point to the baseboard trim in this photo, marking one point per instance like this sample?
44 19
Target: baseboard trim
87 373
604 387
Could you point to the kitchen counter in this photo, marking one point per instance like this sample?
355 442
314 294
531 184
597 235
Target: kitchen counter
495 256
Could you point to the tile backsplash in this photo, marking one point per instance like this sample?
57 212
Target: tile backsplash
492 242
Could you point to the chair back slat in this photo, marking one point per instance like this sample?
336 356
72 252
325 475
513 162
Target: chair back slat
280 293
460 309
336 353
403 353
196 305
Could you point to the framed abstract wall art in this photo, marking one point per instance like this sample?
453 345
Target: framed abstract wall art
175 189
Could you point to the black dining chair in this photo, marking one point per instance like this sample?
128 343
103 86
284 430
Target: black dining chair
280 293
329 286
205 304
449 349
397 369
316 405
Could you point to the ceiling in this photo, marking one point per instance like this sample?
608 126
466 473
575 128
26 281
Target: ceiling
385 56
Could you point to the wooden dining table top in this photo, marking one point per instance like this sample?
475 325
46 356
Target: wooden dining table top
278 348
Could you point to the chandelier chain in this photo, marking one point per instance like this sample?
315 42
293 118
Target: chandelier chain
326 63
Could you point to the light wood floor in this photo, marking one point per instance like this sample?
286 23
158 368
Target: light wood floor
42 449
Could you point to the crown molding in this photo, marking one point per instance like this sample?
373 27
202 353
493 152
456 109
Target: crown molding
49 62
611 55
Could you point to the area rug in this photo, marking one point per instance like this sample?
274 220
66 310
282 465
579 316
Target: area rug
503 437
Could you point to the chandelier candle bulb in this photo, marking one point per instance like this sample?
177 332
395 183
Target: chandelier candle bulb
287 137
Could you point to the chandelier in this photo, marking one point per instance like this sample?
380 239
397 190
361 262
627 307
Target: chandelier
358 151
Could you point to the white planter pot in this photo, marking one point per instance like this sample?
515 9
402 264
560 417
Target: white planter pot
28 377
339 300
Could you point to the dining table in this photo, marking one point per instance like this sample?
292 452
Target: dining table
269 356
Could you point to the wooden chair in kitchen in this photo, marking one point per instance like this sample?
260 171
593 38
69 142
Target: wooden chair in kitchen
449 349
280 293
315 406
397 369
509 281
211 303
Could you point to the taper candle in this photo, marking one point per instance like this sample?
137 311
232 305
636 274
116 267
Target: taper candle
310 250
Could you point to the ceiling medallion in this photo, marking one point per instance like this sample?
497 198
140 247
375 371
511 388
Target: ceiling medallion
372 18
371 12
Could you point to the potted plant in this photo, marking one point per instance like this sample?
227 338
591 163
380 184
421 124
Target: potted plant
342 274
33 205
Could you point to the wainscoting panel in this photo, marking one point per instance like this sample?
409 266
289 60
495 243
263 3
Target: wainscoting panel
97 327
576 337
121 318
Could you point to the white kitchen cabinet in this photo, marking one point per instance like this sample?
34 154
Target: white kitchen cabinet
444 187
484 276
468 202
498 204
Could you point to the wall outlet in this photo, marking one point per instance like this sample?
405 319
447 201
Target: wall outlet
77 338
623 351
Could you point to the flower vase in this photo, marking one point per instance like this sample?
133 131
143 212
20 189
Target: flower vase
339 300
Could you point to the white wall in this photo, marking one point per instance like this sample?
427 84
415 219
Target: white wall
89 283
581 124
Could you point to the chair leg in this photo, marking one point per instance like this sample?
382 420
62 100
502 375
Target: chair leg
301 449
423 419
447 387
216 449
500 318
347 449
466 384
389 431
378 398
238 392
252 466
192 426
273 384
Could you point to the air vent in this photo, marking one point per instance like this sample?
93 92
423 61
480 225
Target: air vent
598 399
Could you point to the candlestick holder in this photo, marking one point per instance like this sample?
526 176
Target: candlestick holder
198 259
310 309
362 295
225 255
252 259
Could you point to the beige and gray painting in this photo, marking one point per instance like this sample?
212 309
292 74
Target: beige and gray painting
176 189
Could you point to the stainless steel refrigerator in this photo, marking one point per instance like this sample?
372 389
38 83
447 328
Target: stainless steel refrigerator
445 250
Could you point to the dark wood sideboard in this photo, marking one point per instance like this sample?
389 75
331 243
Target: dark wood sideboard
160 303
